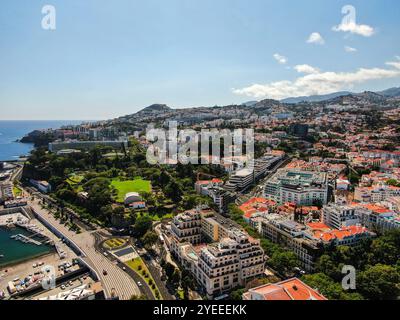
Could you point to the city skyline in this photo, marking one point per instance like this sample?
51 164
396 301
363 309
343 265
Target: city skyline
108 60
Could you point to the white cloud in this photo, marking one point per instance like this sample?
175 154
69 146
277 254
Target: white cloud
305 68
316 38
353 27
318 83
350 49
397 57
395 64
281 59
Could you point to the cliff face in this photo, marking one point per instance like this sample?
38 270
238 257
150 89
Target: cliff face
38 138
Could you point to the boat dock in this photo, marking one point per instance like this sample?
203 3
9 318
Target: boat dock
25 239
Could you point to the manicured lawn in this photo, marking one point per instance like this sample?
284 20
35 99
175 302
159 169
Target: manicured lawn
155 217
17 191
74 180
124 187
140 268
181 294
165 216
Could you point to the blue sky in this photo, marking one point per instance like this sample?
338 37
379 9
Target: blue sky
111 58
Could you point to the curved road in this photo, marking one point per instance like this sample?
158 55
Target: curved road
116 279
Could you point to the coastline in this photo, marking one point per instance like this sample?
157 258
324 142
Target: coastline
20 252
12 132
20 261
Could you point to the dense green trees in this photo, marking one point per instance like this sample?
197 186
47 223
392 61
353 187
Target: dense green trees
174 191
393 182
142 225
150 239
379 282
173 186
377 264
283 261
329 288
237 294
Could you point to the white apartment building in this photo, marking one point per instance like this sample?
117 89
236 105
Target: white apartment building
240 180
375 193
186 228
303 188
257 168
337 216
231 260
372 216
292 235
379 218
202 186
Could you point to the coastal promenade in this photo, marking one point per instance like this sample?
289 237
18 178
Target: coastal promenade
114 279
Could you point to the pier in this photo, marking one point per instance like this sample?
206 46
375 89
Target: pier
25 239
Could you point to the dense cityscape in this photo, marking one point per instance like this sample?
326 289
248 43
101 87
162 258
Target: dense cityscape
321 193
199 159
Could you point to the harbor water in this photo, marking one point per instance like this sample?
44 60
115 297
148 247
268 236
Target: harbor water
13 251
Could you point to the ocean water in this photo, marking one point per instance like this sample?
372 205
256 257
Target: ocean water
14 251
10 131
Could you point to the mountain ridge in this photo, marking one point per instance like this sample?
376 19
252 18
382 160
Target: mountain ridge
391 92
163 111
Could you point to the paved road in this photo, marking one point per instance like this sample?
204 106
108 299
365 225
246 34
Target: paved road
155 271
116 279
144 288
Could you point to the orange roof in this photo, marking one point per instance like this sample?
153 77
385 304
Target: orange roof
202 182
248 214
323 232
277 152
375 208
292 289
209 181
255 205
318 226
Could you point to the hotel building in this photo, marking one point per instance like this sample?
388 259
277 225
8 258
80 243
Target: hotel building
232 259
303 188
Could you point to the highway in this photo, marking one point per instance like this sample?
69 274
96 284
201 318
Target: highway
116 280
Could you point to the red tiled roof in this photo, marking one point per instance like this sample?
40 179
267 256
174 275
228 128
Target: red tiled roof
292 289
325 233
255 205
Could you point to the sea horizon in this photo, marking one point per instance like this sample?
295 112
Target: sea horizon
13 130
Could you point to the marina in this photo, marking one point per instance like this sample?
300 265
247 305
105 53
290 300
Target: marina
16 246
21 240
